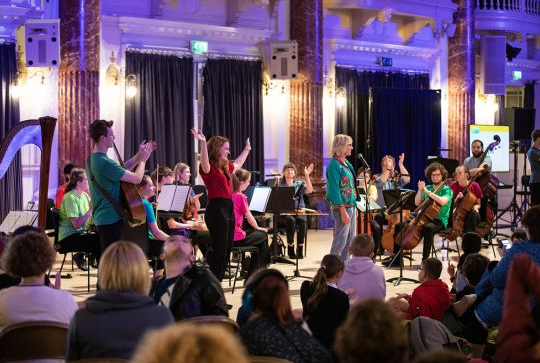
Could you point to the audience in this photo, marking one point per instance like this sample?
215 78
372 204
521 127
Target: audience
272 330
430 299
471 242
112 322
189 343
489 311
518 340
372 332
325 305
188 289
363 279
518 235
29 256
441 356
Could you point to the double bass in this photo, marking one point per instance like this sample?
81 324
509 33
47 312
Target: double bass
425 213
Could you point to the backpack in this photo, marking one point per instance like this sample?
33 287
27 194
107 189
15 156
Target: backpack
427 334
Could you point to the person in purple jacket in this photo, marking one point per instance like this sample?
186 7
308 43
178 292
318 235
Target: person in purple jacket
362 279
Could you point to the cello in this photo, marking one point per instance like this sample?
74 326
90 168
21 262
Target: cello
425 213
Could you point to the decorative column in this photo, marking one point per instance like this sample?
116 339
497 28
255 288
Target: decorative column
78 79
461 80
306 136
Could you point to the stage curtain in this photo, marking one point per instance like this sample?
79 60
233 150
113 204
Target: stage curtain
11 183
232 94
406 121
162 109
353 118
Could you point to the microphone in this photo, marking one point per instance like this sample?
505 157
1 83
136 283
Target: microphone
255 172
441 149
273 175
364 162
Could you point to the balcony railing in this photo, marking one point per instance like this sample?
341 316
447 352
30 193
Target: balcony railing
529 7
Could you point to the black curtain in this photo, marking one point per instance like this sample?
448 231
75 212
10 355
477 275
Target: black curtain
11 182
353 118
528 97
406 121
232 93
162 110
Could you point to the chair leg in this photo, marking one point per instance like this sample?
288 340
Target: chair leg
237 269
63 261
457 248
72 268
88 272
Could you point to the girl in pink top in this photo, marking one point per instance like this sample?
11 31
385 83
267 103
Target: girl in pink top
258 237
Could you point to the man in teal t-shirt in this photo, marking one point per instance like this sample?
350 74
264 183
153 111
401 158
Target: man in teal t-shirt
442 195
109 174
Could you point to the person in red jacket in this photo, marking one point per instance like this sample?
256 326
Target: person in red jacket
430 299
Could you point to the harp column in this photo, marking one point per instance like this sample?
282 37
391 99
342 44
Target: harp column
78 79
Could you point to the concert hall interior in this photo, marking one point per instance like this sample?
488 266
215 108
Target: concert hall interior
398 102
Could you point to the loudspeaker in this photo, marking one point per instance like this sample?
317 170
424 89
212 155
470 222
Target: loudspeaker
283 60
42 43
521 122
492 65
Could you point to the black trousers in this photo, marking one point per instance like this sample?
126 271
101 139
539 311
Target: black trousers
290 223
110 233
428 233
155 247
472 220
535 193
85 242
202 239
219 217
260 240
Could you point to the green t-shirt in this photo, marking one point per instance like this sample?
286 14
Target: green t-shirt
446 192
108 173
73 206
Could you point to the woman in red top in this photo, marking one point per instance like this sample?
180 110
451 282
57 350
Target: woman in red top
216 171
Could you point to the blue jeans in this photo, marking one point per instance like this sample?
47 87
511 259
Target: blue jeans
343 233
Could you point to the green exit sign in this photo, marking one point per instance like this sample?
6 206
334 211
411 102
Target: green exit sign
199 46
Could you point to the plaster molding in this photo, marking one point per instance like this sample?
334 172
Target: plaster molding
384 48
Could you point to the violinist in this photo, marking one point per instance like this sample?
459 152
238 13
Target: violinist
473 163
388 179
442 195
461 183
361 176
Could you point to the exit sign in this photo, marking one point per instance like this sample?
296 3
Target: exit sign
199 46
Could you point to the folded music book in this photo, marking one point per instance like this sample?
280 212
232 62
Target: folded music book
16 219
173 198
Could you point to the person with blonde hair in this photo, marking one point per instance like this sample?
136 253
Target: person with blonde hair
112 322
187 343
341 194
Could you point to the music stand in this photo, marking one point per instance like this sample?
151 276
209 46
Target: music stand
399 205
280 201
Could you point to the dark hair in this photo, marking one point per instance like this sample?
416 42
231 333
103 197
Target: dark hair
76 176
213 146
372 332
519 234
24 229
474 267
29 254
239 176
438 356
144 181
161 172
471 242
68 168
535 135
478 141
331 265
432 268
531 223
465 170
290 166
362 245
270 292
435 166
98 128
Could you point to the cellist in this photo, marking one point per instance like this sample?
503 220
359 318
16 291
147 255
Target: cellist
442 195
461 183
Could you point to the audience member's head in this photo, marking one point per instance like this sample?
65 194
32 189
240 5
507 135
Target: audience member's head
432 268
67 170
187 343
124 267
441 356
474 267
267 292
531 223
23 229
362 245
29 254
471 242
178 250
332 267
519 234
372 332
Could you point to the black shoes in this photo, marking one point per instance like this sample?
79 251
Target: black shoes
391 262
290 251
300 252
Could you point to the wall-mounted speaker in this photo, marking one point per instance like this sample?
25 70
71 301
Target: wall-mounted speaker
42 43
492 65
284 60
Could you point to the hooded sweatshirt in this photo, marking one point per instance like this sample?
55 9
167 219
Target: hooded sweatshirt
112 323
362 279
430 299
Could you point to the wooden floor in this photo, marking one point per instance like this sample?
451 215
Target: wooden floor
318 245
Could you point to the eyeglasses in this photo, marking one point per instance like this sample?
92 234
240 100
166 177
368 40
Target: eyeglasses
436 174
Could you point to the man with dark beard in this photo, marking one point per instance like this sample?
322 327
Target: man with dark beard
472 163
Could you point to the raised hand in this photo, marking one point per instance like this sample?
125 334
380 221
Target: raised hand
308 169
198 135
146 151
248 145
401 158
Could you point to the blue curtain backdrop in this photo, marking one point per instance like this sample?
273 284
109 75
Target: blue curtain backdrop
353 118
406 121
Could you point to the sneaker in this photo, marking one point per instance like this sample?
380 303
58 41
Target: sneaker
80 261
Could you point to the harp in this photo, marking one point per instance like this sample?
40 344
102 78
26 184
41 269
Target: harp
40 133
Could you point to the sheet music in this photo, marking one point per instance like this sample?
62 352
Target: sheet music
9 222
172 198
361 205
16 219
259 199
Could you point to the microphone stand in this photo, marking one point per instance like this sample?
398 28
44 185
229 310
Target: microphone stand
366 185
